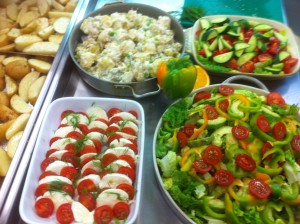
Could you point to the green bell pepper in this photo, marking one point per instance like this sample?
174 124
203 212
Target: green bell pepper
270 171
290 192
277 212
230 215
209 211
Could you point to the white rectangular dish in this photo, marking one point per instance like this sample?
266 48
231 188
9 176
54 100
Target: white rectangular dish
50 123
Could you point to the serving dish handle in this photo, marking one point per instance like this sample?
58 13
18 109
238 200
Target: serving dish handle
188 40
136 95
248 79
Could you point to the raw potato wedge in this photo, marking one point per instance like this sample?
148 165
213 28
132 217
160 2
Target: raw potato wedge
2 83
39 65
3 129
12 58
4 40
43 7
13 143
7 114
42 23
12 11
28 17
26 40
5 162
11 86
35 89
46 48
57 14
26 82
9 47
17 69
29 28
61 24
56 38
4 99
19 105
18 125
14 33
45 33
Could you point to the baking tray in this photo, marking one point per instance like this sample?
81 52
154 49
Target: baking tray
67 82
51 121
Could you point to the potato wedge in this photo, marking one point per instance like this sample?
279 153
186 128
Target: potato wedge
2 70
13 143
21 13
26 82
14 33
28 17
4 99
2 83
18 125
29 28
43 7
7 114
57 14
42 23
35 89
12 58
45 33
46 48
26 40
6 23
4 40
19 105
5 162
17 69
3 129
11 86
56 38
40 65
9 47
71 5
12 11
61 24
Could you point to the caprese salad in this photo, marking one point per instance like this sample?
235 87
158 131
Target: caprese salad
88 173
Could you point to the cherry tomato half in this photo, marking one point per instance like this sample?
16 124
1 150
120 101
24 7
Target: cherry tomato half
121 210
212 113
265 148
44 207
212 155
128 189
246 162
103 214
86 186
296 143
189 129
259 189
201 167
64 214
88 200
279 130
202 95
275 98
223 177
226 90
128 171
182 139
112 111
224 104
263 123
108 158
240 132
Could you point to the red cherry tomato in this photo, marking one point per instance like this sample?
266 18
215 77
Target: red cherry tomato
224 104
88 200
95 129
41 190
69 189
46 162
263 123
182 139
70 157
127 171
202 95
246 162
55 138
132 147
111 130
240 132
128 159
128 130
75 135
212 155
88 149
248 67
275 98
128 189
223 177
265 148
103 214
279 130
47 173
121 210
201 167
65 113
296 143
264 57
108 158
112 111
225 90
64 214
134 113
69 172
86 186
211 112
44 207
189 129
259 189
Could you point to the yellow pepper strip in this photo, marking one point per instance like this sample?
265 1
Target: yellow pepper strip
198 131
262 177
221 112
209 180
243 144
188 152
230 189
292 202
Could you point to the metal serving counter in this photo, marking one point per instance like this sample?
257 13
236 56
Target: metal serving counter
67 82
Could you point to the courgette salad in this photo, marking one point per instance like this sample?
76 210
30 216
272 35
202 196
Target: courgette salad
231 156
243 45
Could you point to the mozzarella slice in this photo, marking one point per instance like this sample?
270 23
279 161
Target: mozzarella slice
49 179
74 119
95 112
112 180
98 124
132 125
121 150
81 213
125 116
64 131
57 166
111 196
124 135
93 164
97 136
87 155
115 165
60 144
94 177
119 142
58 198
58 154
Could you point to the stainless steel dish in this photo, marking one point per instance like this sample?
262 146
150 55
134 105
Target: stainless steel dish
262 90
136 89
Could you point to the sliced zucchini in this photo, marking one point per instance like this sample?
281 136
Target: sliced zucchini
209 34
252 44
205 24
220 20
262 27
223 58
246 57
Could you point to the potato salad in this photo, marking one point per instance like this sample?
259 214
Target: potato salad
126 47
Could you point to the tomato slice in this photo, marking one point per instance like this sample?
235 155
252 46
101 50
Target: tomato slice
98 145
248 67
232 64
64 214
226 90
95 129
75 135
103 214
112 111
212 155
66 113
202 95
264 57
224 104
128 159
41 189
70 157
240 132
86 160
71 147
182 139
50 151
121 210
211 112
44 207
201 167
69 189
127 171
111 130
134 113
275 98
55 138
259 189
88 171
69 172
246 162
273 48
279 130
47 161
88 149
47 173
223 177
128 189
296 143
263 123
83 128
129 131
88 200
108 158
189 129
115 119
132 147
86 186
113 137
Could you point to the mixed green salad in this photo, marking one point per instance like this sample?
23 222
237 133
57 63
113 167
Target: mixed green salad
231 156
243 45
